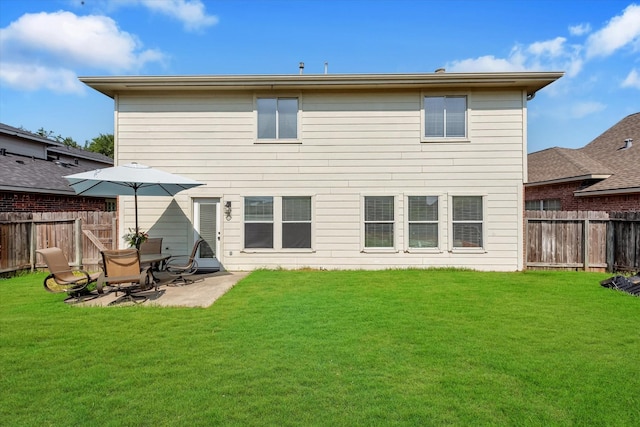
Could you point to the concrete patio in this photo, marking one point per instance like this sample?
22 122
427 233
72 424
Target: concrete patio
205 289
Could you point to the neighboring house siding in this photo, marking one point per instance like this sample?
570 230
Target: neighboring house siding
351 145
564 192
34 202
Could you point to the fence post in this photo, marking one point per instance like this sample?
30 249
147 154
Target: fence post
77 231
115 240
33 241
610 245
585 244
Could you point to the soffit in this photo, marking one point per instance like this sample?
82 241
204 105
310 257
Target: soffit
529 81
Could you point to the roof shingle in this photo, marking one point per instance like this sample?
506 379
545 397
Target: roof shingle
603 156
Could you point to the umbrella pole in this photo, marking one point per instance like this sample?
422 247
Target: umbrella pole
135 198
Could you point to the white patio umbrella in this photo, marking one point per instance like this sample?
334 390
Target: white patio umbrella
133 179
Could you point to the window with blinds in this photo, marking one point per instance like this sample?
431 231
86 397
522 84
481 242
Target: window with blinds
467 221
258 222
423 221
296 222
445 116
277 118
379 221
278 222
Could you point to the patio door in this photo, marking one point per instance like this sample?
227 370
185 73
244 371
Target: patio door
207 226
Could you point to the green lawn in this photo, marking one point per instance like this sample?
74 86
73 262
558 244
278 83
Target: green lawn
334 348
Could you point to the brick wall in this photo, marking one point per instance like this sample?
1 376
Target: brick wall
564 192
33 202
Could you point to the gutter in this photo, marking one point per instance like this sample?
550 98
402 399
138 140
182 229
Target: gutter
616 191
569 179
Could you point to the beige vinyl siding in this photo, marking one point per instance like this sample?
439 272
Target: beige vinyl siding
351 145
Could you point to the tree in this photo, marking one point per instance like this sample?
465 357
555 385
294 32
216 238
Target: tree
68 141
102 144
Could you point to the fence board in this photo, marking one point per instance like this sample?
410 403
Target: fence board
58 229
566 239
623 242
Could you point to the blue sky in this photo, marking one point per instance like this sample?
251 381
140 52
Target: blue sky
46 44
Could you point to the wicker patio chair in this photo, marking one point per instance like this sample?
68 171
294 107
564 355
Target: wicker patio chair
63 278
122 271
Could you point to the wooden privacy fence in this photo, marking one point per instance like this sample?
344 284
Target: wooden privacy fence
586 240
623 241
80 235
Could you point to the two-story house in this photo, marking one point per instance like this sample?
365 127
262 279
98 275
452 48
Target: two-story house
362 171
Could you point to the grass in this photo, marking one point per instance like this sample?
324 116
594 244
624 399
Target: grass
337 348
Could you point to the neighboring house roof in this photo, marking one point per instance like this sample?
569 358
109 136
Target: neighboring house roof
529 81
604 159
53 146
21 171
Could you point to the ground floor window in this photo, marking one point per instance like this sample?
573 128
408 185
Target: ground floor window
277 222
296 222
467 221
543 205
258 222
379 220
423 221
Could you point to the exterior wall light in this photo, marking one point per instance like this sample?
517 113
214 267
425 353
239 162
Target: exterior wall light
227 210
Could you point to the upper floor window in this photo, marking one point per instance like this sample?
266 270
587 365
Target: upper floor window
445 116
277 118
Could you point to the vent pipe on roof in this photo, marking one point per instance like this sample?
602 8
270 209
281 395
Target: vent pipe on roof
628 143
326 67
301 66
3 151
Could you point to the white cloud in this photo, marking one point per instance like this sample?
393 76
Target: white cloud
583 109
487 63
632 80
34 77
579 30
57 43
621 31
552 48
191 13
547 55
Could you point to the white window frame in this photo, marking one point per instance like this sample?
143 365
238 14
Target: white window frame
277 226
389 249
543 204
423 137
439 222
450 222
272 222
286 95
